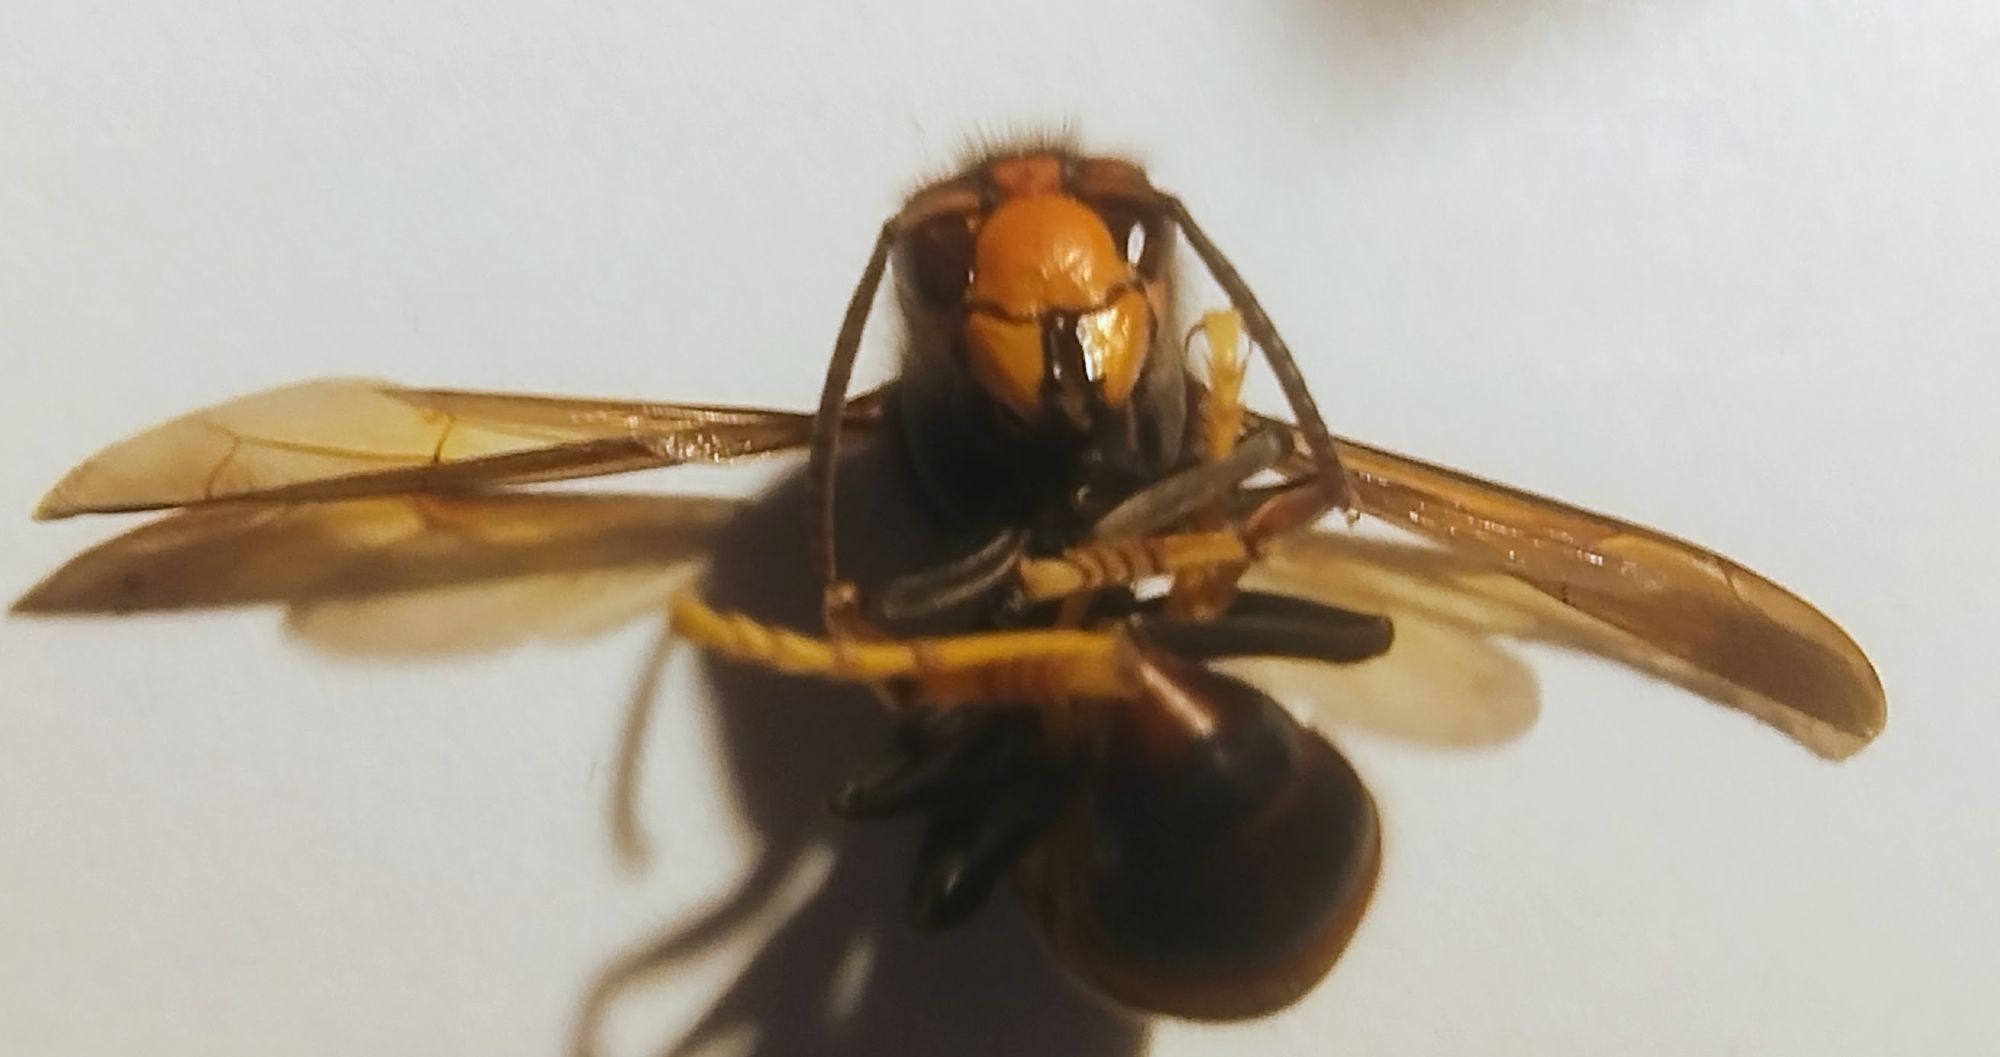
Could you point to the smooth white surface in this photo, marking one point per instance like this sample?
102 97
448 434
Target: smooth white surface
1724 266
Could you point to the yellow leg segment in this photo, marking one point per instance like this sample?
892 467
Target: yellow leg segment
1200 592
1118 562
1036 666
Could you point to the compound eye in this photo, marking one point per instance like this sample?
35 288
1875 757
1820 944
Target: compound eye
937 259
1138 234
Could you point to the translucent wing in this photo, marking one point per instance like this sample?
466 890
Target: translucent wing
1522 564
403 574
341 438
1442 684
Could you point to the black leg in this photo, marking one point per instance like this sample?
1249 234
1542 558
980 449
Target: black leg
1172 500
968 849
941 758
953 584
1270 625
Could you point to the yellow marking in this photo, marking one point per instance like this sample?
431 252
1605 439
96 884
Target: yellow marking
947 670
1116 562
1222 412
1202 593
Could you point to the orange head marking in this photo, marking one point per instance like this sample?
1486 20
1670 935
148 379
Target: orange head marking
1056 313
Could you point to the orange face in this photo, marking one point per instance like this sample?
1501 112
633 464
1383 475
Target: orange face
1057 318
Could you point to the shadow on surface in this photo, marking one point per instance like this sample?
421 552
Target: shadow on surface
844 974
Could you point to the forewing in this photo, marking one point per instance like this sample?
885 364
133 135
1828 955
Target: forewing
403 574
1518 564
342 438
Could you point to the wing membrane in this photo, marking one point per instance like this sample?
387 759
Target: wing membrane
1527 565
402 574
1443 684
342 438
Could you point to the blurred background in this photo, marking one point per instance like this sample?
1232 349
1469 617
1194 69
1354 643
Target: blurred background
1726 267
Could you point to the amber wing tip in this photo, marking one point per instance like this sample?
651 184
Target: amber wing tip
1844 740
69 590
54 594
1843 747
1873 715
1866 734
29 604
53 506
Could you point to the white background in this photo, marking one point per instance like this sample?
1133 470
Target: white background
1723 266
